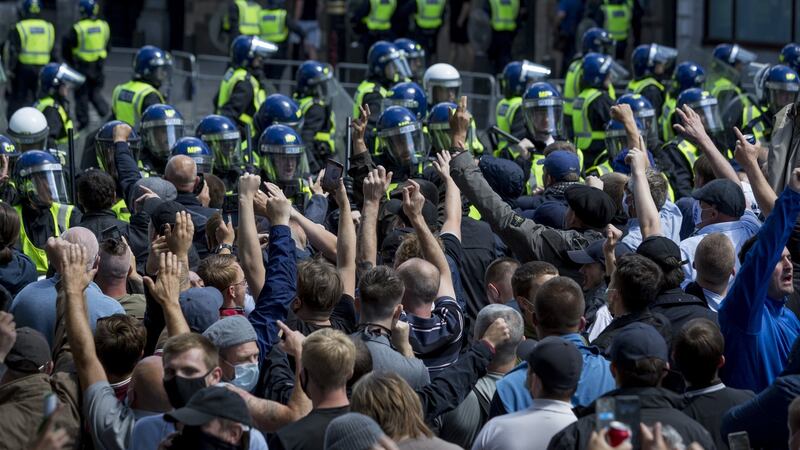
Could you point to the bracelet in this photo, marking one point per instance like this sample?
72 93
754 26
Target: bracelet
224 245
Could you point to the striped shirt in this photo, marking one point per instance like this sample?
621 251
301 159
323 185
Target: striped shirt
437 340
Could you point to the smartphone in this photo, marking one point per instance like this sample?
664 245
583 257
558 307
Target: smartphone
333 173
230 205
604 407
739 440
198 188
628 410
111 232
49 406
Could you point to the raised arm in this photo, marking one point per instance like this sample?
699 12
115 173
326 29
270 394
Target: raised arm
179 241
413 202
613 235
747 157
646 210
280 285
346 244
73 264
624 114
126 166
321 239
166 290
248 244
452 198
375 185
691 127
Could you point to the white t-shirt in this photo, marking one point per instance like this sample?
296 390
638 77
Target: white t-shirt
529 429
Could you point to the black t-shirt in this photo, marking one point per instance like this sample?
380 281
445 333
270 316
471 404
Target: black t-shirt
709 405
308 432
343 317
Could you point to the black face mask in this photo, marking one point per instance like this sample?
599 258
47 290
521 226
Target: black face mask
193 438
180 389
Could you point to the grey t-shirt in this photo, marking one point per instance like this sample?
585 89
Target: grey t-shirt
110 422
461 425
386 359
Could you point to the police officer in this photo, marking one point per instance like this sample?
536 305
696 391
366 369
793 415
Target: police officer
85 48
29 130
680 154
650 64
790 56
780 86
242 18
400 145
196 149
442 83
105 148
55 83
594 40
617 19
313 94
9 153
687 75
283 160
151 69
504 18
591 110
729 60
160 128
427 20
644 112
373 21
44 208
220 134
29 47
410 96
612 159
514 81
240 93
275 23
414 53
279 109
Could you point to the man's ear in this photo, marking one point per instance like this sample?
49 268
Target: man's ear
492 293
582 325
296 304
397 311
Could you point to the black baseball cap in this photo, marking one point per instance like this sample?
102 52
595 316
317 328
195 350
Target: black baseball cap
638 341
662 251
557 362
726 195
214 402
593 253
593 206
164 213
30 352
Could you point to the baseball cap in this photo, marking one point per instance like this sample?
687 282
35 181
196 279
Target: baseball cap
230 331
200 307
213 402
726 195
593 253
429 211
557 362
427 188
594 207
662 251
162 188
637 341
561 163
550 213
163 213
30 352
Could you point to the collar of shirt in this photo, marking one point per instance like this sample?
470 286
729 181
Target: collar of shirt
747 220
713 388
558 406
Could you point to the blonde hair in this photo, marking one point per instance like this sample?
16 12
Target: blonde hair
328 357
389 400
218 271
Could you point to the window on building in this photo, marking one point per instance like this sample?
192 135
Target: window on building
762 22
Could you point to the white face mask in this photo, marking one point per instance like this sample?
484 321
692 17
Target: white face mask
246 376
625 209
697 213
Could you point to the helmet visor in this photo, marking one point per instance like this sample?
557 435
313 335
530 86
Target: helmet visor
616 142
105 157
649 122
408 103
160 136
740 55
617 71
543 116
45 185
661 54
708 110
397 69
532 72
324 90
264 49
416 66
226 149
205 163
285 163
781 94
70 76
404 144
440 139
445 92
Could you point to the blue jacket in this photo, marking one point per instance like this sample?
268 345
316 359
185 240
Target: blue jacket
765 416
278 292
759 331
595 379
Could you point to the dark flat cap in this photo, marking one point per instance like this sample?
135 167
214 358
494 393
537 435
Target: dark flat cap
30 351
594 207
211 403
726 195
662 251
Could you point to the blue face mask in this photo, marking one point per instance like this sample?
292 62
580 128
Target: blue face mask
246 376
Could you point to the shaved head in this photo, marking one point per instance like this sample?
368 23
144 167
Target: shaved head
181 171
421 281
84 238
148 386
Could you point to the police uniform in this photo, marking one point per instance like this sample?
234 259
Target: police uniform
30 47
680 156
731 100
757 123
509 119
37 225
374 18
591 111
274 26
617 18
319 127
129 100
572 87
665 120
503 19
239 97
427 22
243 17
371 93
85 48
58 121
649 88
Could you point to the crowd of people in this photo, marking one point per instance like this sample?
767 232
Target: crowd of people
607 265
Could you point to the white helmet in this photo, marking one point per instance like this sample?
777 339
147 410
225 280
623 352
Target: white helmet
442 83
28 128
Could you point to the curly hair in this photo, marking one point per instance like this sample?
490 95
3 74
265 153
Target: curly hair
96 190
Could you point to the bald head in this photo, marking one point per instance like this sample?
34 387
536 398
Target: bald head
148 387
84 238
115 260
181 171
421 281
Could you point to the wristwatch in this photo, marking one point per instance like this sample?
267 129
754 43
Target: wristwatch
223 245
